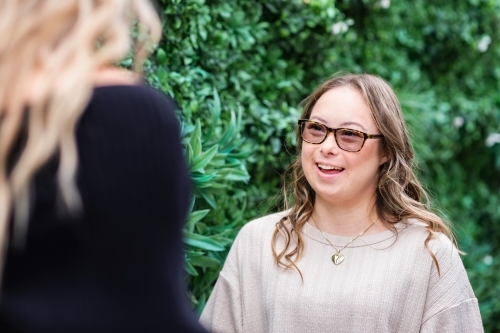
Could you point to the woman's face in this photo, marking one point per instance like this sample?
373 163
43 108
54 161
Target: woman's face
338 176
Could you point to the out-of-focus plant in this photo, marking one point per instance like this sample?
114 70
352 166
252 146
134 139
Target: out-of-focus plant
215 163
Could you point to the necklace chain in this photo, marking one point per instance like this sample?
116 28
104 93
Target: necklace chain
338 257
365 243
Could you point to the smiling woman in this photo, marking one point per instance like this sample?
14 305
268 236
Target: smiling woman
358 248
358 162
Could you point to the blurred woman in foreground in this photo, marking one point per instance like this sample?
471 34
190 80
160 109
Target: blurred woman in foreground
93 186
359 250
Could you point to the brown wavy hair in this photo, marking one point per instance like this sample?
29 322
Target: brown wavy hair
399 194
50 51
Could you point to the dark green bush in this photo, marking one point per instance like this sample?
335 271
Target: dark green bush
240 68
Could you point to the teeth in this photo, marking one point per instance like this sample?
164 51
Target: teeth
329 167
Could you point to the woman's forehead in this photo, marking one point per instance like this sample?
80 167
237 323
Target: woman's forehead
349 124
343 107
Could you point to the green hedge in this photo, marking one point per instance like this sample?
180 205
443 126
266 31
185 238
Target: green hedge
240 68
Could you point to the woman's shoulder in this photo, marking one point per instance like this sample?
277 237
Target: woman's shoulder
133 125
110 81
125 93
418 229
140 107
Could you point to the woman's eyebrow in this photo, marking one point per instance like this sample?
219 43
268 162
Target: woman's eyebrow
320 119
349 123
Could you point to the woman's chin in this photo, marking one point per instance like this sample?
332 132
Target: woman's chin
331 197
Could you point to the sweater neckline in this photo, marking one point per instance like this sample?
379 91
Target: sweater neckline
119 86
379 239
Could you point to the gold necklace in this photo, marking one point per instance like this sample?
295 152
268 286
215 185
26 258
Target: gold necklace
338 257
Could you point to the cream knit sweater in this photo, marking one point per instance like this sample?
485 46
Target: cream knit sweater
390 286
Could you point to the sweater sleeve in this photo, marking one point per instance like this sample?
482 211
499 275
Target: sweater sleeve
450 305
461 317
223 311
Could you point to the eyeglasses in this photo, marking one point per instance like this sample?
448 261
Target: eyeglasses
347 139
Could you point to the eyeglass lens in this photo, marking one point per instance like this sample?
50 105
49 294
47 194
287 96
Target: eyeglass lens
346 139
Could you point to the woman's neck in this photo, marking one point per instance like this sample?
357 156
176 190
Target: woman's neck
346 220
111 75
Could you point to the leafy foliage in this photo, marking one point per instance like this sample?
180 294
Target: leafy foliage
239 69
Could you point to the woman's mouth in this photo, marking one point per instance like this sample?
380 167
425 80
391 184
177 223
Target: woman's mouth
329 169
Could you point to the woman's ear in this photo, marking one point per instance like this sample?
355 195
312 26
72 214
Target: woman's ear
384 159
386 154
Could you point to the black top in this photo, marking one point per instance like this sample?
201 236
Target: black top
116 267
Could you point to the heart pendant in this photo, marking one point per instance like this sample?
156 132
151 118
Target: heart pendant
338 258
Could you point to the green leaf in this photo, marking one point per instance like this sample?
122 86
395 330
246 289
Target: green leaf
191 204
189 154
216 111
234 175
205 262
202 302
161 56
209 198
189 268
197 216
202 160
201 180
195 140
230 131
192 254
202 242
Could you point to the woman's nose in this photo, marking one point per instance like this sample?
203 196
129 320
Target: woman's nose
329 146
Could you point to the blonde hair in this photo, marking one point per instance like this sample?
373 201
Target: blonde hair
399 194
49 54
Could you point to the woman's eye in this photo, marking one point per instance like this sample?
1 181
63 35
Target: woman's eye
350 133
317 128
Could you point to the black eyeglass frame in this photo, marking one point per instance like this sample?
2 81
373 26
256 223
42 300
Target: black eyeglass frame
329 130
